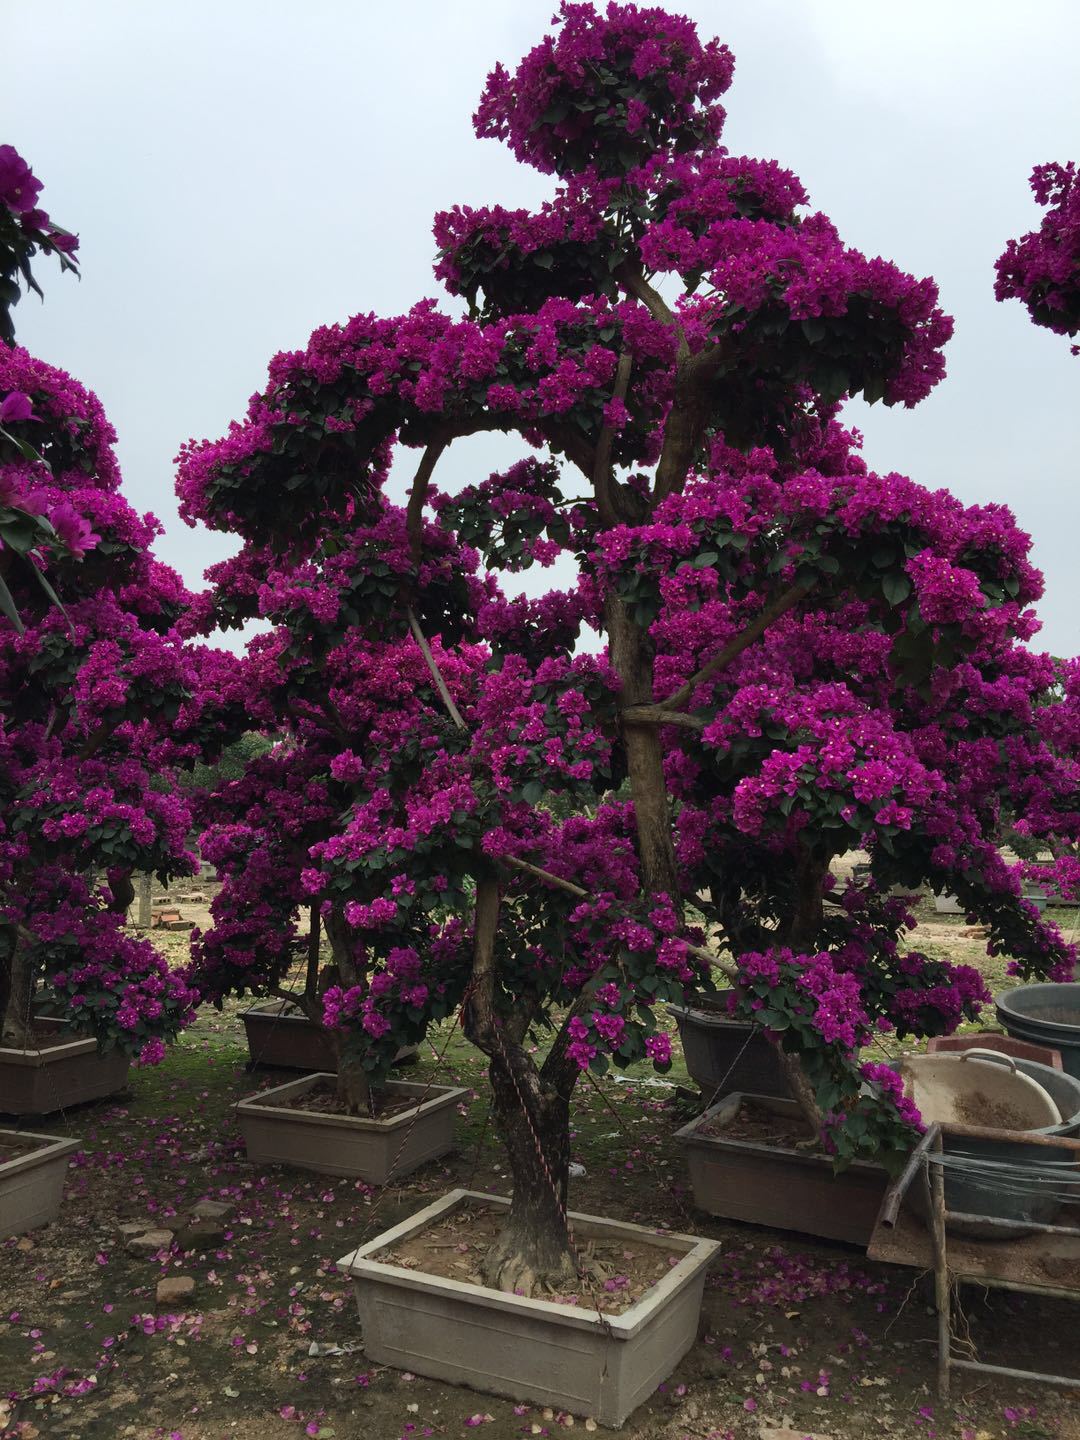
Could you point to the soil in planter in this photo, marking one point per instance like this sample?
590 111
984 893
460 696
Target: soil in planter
15 1149
618 1272
52 1037
761 1126
323 1099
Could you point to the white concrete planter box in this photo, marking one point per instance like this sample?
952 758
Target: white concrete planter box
526 1349
372 1150
948 905
32 1181
56 1077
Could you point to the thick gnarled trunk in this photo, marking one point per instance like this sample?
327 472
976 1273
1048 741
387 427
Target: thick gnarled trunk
532 1253
532 1116
631 655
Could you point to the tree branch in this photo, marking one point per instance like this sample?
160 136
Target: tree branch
734 648
95 741
602 477
414 514
659 715
479 1017
571 889
436 673
635 284
311 978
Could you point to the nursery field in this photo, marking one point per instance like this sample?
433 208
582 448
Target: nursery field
266 1343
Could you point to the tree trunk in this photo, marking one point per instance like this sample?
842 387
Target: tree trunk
631 655
311 978
532 1116
353 1086
121 890
15 1030
532 1253
803 930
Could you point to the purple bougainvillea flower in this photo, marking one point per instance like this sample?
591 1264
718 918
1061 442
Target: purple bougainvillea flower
15 407
74 532
18 187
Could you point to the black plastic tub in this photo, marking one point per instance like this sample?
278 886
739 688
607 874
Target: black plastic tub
1048 1014
1014 1197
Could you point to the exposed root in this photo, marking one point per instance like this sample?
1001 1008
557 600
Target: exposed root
533 1266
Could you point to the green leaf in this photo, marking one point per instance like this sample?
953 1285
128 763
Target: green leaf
51 593
7 606
896 588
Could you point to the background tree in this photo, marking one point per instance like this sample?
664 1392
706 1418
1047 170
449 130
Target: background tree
100 699
797 652
1042 268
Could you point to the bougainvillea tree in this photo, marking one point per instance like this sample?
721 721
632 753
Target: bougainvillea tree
1042 268
799 656
100 700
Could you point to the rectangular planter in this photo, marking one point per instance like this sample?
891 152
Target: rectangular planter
32 1183
724 1055
528 1349
56 1077
288 1041
372 1150
771 1185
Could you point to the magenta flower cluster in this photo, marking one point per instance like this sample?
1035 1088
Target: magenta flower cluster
1042 268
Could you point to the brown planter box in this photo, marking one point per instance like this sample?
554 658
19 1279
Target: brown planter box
372 1150
725 1055
527 1349
770 1185
287 1041
32 1183
58 1076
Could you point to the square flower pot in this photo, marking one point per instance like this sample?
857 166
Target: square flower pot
373 1150
286 1039
528 1349
59 1074
32 1179
774 1185
724 1055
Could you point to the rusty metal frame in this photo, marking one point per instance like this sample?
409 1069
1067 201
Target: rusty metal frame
929 1171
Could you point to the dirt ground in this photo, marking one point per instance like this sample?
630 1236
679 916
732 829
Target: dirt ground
795 1333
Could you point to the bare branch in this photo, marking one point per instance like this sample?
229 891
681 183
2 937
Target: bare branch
571 889
95 741
658 715
436 673
734 648
414 514
635 284
480 1020
602 479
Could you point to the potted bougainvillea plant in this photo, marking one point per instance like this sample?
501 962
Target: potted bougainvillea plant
100 699
799 657
264 826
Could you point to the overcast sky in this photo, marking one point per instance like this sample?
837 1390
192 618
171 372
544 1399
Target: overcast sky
244 170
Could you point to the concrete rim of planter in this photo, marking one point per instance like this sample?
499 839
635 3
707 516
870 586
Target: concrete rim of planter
48 1054
697 1254
276 1010
441 1096
691 1133
50 1148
